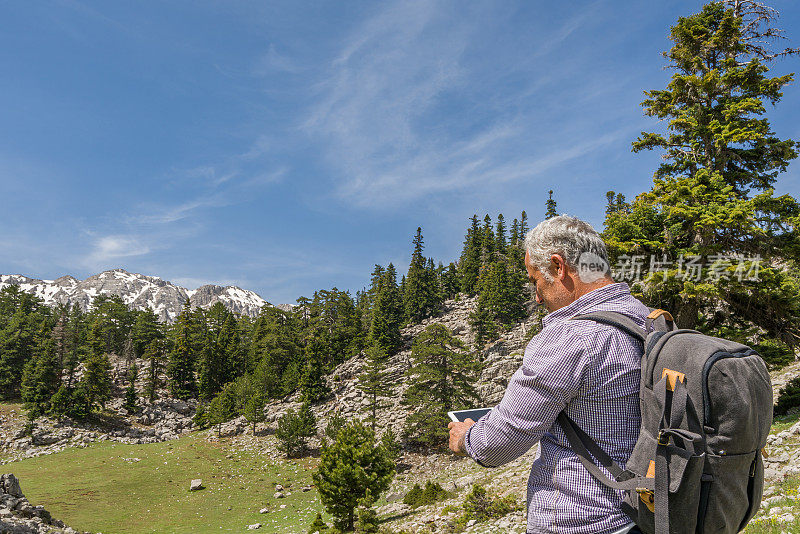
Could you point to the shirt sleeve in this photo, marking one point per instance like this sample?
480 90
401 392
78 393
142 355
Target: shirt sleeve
549 378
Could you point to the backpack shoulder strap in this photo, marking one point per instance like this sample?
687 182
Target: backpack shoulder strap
586 448
619 320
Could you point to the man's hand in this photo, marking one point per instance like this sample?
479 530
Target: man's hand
457 433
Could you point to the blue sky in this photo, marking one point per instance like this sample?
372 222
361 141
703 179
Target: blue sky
289 146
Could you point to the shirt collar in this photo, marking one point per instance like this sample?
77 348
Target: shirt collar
587 301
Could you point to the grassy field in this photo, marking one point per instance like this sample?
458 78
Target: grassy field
118 488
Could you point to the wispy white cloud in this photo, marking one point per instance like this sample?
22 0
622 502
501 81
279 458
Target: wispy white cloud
109 248
385 112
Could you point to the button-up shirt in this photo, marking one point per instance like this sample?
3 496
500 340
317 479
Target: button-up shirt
591 371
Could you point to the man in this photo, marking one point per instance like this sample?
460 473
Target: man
587 369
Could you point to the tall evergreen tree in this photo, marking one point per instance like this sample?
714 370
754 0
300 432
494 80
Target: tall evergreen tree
523 225
146 328
23 316
40 378
155 353
500 234
440 379
470 263
373 381
96 381
515 239
713 196
449 281
550 206
420 296
501 301
488 244
181 364
387 315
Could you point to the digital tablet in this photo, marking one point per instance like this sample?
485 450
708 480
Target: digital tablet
462 415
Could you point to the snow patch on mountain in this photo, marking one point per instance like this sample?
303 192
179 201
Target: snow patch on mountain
138 291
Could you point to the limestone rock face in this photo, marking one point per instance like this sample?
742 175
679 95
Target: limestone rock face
18 516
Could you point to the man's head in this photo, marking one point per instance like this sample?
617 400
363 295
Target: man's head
565 259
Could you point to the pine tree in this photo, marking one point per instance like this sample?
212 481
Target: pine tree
373 381
450 284
24 317
515 239
221 356
500 234
40 378
294 428
523 225
312 383
470 263
420 298
441 375
349 468
155 354
96 381
501 301
180 368
275 350
488 244
387 314
254 410
131 404
713 195
551 206
222 408
146 328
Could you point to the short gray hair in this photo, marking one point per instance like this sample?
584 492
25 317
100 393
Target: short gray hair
566 236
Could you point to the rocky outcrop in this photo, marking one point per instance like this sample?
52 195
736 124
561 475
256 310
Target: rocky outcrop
18 516
162 420
137 291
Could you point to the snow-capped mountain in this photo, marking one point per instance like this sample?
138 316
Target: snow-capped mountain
138 291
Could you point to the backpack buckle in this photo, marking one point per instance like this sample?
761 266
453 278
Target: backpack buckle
663 438
647 498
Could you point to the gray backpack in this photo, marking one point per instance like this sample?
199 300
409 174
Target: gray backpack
706 407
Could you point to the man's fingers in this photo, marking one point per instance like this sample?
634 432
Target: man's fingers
470 421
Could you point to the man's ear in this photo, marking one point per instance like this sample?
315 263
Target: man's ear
559 266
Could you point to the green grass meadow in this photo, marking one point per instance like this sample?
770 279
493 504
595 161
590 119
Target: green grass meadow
102 488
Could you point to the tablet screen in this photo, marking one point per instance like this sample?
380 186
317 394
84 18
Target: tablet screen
463 415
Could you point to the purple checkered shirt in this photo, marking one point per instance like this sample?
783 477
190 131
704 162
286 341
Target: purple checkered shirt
591 371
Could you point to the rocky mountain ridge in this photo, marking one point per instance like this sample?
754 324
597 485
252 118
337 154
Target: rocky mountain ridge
138 291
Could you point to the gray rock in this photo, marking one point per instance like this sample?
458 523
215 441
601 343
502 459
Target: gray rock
254 526
9 484
196 484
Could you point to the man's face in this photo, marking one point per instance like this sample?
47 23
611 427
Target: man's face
547 293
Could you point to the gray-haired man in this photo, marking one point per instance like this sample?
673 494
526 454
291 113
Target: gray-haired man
587 369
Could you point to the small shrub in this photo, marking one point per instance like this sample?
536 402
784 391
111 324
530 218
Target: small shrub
318 525
200 419
480 506
789 398
432 493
